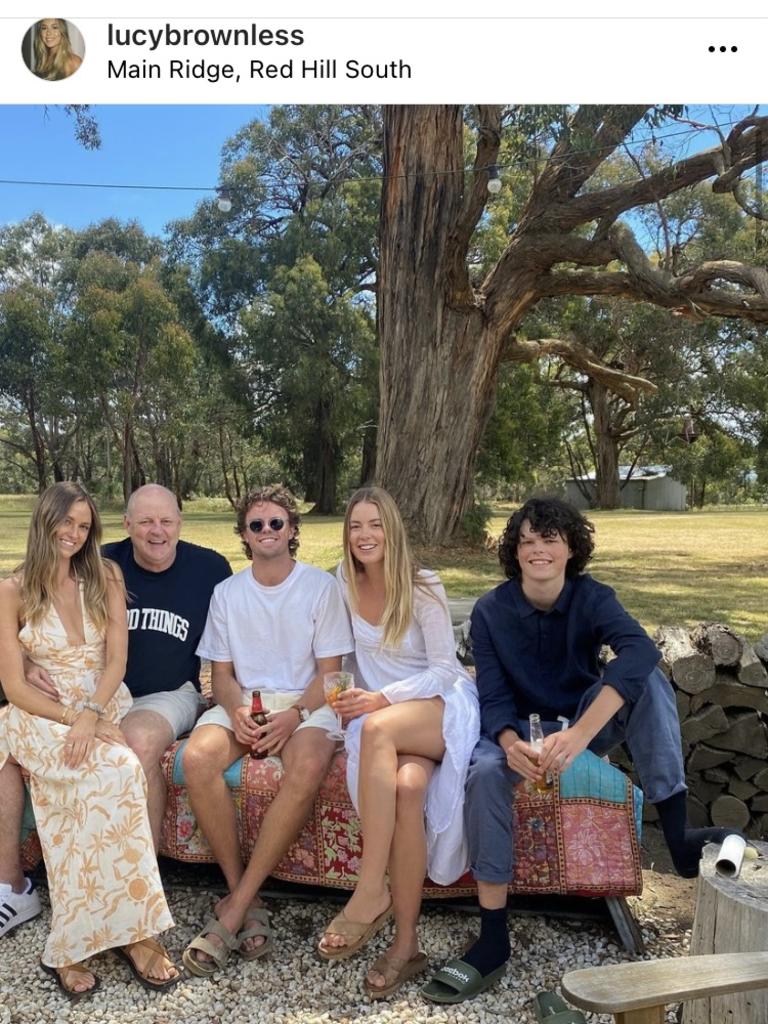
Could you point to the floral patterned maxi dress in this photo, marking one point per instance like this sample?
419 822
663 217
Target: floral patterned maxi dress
103 879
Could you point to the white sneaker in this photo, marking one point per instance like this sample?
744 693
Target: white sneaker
17 907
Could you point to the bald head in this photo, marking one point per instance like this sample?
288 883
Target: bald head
153 522
150 492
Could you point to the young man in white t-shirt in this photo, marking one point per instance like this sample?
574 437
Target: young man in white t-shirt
278 627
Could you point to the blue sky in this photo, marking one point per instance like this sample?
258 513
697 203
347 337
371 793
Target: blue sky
154 145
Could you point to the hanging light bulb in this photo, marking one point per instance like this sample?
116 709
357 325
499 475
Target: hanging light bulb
224 201
494 180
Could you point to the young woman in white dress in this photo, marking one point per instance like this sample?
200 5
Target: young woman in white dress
412 722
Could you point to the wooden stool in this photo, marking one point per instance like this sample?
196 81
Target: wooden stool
637 993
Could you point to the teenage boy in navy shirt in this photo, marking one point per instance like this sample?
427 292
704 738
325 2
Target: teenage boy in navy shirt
536 640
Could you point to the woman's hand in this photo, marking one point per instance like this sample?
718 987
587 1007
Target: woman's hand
108 732
80 738
355 702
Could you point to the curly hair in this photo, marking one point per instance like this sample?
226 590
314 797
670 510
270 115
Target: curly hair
548 516
278 495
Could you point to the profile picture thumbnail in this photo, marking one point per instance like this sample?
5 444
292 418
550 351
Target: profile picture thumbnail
53 49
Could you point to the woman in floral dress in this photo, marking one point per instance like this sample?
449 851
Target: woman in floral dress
64 609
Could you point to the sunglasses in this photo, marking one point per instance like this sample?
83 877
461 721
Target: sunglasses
257 525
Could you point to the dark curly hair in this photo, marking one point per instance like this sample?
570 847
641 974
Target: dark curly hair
548 516
278 495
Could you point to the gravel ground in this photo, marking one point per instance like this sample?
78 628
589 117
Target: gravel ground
293 986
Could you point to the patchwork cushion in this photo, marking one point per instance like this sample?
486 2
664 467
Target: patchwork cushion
581 838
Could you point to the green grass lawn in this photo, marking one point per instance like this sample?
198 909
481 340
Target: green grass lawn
667 567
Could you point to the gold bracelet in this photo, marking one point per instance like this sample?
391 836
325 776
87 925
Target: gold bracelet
65 719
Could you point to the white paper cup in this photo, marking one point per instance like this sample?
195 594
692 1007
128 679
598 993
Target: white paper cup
728 860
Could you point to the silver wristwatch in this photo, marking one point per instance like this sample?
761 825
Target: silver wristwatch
91 705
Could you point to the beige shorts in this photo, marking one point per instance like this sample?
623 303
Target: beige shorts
274 700
179 708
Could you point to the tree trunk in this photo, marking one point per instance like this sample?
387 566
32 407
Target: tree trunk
368 461
607 484
437 370
324 461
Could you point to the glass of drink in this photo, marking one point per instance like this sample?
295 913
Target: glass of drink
335 683
546 784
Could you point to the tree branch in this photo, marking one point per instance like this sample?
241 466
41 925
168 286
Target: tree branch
746 146
460 293
690 294
581 358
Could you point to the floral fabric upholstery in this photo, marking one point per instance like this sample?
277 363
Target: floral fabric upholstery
582 839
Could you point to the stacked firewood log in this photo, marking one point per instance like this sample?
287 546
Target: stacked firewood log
720 683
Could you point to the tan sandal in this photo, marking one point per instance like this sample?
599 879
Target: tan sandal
218 954
256 925
396 971
144 976
357 934
72 993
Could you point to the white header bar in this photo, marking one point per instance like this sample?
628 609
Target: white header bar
335 59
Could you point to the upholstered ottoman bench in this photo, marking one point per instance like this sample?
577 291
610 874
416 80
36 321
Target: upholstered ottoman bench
580 839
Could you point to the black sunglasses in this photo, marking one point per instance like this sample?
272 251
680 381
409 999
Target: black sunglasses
257 525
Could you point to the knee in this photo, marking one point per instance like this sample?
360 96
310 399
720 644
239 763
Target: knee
412 784
148 750
203 756
375 731
306 772
488 769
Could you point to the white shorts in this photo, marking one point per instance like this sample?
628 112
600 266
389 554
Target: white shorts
179 708
273 700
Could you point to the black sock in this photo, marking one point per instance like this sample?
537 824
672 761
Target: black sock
492 948
686 844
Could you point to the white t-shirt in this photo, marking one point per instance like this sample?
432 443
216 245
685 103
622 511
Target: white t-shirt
273 635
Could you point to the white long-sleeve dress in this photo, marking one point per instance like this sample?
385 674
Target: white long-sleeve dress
424 665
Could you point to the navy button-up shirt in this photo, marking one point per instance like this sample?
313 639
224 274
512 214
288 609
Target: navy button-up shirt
529 660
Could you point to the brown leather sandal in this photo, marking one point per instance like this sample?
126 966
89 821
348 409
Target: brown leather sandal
143 976
396 971
357 934
72 994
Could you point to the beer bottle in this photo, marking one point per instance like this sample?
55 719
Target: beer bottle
537 744
258 717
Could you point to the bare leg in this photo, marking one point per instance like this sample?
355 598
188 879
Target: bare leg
491 896
11 811
149 735
210 750
408 857
412 727
305 758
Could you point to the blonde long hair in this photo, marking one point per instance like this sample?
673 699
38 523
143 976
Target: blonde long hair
401 572
39 569
52 64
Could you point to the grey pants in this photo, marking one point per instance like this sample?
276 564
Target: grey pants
651 731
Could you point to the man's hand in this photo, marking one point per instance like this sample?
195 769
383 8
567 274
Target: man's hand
523 759
243 726
562 748
38 677
281 725
107 732
355 702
